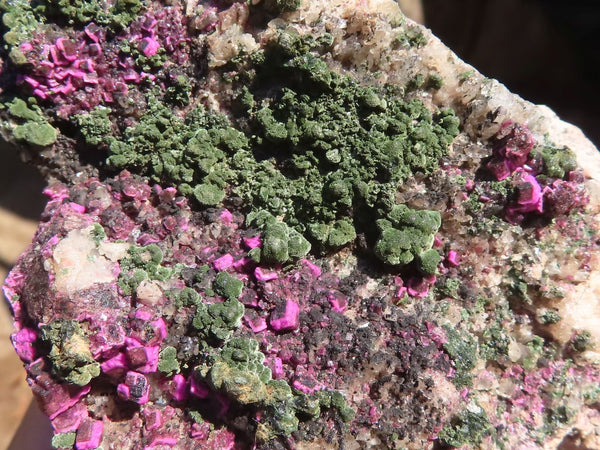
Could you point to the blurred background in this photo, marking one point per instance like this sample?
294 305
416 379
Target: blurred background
547 51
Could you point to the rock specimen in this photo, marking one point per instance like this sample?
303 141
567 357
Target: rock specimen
299 224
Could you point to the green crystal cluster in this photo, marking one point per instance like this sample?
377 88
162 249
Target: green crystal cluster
216 322
230 364
32 126
407 234
114 15
194 152
280 243
468 428
321 153
21 21
95 126
142 263
331 154
238 371
462 348
167 361
558 161
70 354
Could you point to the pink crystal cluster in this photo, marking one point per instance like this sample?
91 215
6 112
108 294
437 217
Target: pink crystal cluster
298 316
418 286
84 69
125 335
512 158
124 338
532 396
514 144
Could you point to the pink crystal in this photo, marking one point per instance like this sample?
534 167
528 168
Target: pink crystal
418 288
402 290
160 329
143 314
77 207
241 264
92 31
57 397
198 388
264 274
131 75
94 49
252 242
530 198
436 333
314 269
304 381
226 216
152 418
86 64
285 320
33 83
105 338
170 223
149 23
161 440
41 93
142 359
374 414
68 48
224 262
135 388
90 78
76 73
146 239
277 368
200 431
180 391
23 342
70 419
515 143
530 194
257 324
56 57
89 434
57 192
338 301
118 362
66 88
453 258
158 326
517 151
149 46
562 196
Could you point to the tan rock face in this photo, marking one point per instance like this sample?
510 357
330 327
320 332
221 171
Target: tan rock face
149 293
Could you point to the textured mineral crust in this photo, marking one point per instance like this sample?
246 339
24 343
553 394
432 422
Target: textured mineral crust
295 224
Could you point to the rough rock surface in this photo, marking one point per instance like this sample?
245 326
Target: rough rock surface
291 224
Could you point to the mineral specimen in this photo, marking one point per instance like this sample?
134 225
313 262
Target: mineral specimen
294 224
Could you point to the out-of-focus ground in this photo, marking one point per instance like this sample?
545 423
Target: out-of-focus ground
545 50
21 203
